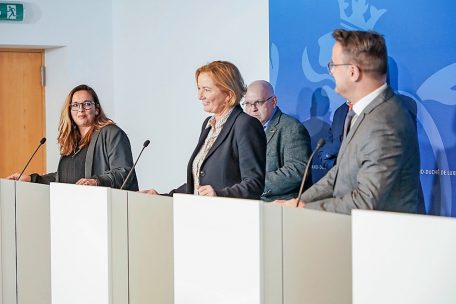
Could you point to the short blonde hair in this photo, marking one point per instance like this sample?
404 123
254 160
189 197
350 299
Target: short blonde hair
366 48
227 78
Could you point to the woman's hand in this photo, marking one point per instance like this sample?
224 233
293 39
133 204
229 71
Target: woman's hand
290 203
24 178
206 190
150 191
87 182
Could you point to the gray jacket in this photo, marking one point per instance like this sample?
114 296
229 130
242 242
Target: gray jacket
288 150
108 160
378 163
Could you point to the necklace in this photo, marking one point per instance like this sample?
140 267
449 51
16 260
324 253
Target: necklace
78 149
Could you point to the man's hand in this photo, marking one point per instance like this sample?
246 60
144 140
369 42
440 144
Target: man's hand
150 191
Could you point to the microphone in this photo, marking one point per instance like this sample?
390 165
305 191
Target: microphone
320 144
42 141
145 144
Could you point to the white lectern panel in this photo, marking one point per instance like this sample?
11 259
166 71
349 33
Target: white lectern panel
80 239
33 243
316 257
118 237
25 243
403 258
150 222
216 250
271 253
8 241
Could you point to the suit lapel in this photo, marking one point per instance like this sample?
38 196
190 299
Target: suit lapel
225 130
385 95
272 127
90 153
350 134
201 140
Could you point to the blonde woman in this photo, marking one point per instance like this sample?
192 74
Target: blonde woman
94 151
230 157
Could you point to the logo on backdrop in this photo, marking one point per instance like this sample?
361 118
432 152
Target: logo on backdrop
439 87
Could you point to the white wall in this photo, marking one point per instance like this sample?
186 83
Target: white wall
158 45
140 56
77 37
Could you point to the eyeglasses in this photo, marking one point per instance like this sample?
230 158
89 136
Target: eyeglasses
331 65
86 105
257 103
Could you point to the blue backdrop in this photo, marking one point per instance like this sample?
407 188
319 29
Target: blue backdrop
422 67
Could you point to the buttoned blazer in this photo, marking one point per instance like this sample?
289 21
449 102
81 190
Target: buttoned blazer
378 163
235 165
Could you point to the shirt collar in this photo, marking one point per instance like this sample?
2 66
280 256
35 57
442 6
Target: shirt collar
217 124
265 125
366 100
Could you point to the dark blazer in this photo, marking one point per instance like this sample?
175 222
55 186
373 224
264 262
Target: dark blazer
378 163
328 153
108 159
235 164
288 151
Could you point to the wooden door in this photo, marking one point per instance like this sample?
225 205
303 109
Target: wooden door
22 116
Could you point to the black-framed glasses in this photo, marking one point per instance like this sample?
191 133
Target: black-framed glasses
86 105
331 65
257 103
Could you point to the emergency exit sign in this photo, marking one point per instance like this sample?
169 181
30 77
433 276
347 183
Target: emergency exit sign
11 11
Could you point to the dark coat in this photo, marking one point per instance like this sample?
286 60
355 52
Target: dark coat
108 160
235 164
328 153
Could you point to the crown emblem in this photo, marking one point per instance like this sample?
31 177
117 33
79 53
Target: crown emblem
363 16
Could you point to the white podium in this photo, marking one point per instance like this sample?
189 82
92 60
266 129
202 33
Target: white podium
25 243
239 251
216 250
316 257
109 246
403 258
150 248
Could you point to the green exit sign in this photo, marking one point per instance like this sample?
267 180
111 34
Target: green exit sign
11 11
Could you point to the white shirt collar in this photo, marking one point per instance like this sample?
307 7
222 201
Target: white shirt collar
366 100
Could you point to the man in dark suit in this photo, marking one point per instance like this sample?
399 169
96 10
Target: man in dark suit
378 162
288 142
328 152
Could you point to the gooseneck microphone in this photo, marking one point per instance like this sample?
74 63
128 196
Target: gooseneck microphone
320 144
42 141
145 144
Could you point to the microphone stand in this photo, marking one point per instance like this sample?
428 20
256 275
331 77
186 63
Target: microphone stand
320 143
146 143
42 141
